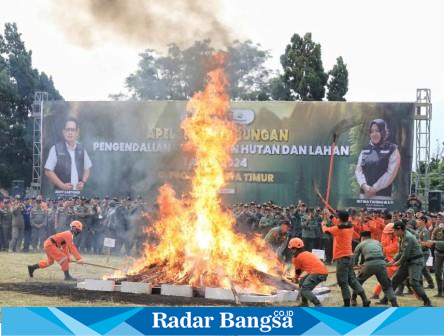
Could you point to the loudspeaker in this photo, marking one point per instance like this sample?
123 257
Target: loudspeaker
18 188
435 201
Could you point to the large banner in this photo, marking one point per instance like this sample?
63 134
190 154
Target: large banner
283 153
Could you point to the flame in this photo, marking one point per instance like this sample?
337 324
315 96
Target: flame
196 241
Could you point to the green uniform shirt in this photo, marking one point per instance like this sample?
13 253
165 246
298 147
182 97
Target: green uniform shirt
38 217
275 237
409 248
423 235
6 216
370 249
438 236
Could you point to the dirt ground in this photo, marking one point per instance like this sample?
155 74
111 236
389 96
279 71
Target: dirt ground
48 288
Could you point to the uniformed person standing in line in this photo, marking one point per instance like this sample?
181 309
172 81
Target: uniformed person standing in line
18 224
81 213
410 260
266 222
373 264
423 234
438 240
343 255
39 220
6 223
311 230
51 212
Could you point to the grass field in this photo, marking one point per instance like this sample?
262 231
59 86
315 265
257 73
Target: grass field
47 288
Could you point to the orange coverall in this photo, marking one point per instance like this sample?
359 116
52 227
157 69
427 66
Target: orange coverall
391 247
376 227
58 247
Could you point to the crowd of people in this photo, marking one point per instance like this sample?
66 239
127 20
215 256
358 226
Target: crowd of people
393 246
26 223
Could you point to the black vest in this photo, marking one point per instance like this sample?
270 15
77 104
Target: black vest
63 166
375 161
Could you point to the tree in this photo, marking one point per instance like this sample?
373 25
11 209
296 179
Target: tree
303 72
18 82
180 73
338 81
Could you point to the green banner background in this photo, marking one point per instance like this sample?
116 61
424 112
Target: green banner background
284 178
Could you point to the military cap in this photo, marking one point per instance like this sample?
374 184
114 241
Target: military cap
284 221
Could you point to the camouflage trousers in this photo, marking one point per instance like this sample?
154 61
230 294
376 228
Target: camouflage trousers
413 271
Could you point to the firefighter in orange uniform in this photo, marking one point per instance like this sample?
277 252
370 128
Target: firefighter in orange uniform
390 245
376 226
58 247
305 261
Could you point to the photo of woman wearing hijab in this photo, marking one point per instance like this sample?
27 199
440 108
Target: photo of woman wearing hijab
378 164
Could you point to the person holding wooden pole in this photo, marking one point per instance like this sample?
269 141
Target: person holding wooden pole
58 247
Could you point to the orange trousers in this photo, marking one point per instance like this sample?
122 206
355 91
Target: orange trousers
54 253
391 270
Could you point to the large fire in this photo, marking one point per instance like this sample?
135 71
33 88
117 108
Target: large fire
196 239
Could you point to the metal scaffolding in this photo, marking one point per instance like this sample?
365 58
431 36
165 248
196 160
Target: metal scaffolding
423 115
37 114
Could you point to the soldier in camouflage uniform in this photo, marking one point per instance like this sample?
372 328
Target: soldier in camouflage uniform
39 223
423 237
278 238
64 216
373 264
6 223
18 224
410 260
438 240
51 212
96 226
311 230
81 213
266 222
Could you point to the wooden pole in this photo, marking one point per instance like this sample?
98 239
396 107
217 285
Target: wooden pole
102 266
330 170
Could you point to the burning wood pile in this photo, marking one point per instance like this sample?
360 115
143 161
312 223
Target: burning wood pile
197 244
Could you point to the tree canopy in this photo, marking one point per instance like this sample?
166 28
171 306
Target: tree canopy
181 72
18 83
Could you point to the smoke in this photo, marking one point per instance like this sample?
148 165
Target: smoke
150 23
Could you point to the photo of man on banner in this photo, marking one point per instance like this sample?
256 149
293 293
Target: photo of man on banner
378 164
68 164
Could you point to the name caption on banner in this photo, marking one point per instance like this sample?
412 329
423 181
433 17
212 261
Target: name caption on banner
279 319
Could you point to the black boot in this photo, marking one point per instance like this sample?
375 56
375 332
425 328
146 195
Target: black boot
365 302
394 303
68 277
346 303
31 269
427 302
316 302
439 287
383 301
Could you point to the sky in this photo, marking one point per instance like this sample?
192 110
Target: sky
391 48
